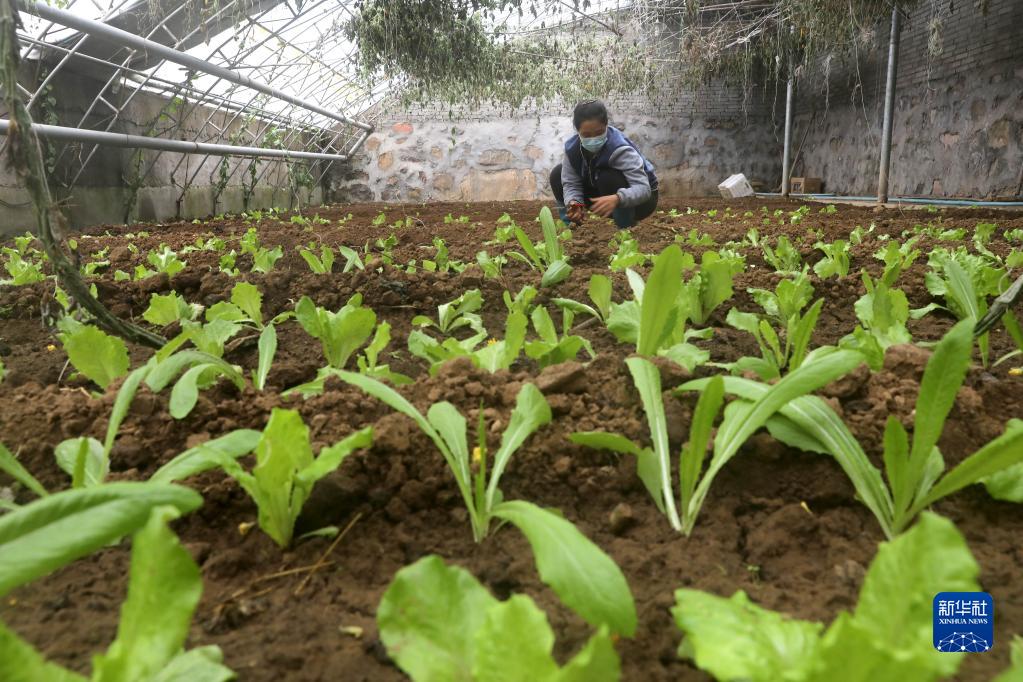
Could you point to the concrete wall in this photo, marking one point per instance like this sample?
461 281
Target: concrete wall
442 154
168 185
958 112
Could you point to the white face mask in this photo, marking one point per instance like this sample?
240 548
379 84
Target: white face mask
593 144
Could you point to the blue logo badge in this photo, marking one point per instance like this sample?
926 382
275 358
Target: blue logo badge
964 622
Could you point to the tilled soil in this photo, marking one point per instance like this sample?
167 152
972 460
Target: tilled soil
782 525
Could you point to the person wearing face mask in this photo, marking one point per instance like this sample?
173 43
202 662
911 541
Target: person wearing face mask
602 171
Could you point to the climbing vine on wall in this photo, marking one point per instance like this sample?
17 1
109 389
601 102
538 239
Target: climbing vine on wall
477 50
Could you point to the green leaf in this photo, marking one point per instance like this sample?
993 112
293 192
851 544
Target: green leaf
282 451
331 457
944 374
163 590
167 308
647 379
733 432
514 642
601 440
208 455
686 355
734 639
557 272
122 403
998 455
426 619
530 413
340 333
894 611
55 530
596 662
10 465
658 314
203 664
600 293
584 578
99 357
695 451
20 662
1007 484
823 428
84 460
267 350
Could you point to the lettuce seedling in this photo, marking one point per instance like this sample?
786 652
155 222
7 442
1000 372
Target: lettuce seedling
887 636
150 639
585 578
21 269
835 262
784 257
914 467
655 320
599 292
322 264
492 266
442 261
165 309
883 313
455 314
654 464
286 470
340 333
626 252
709 287
491 355
165 261
96 355
483 638
783 319
965 281
548 256
549 349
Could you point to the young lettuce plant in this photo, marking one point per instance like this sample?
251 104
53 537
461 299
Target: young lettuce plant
784 257
599 292
54 531
913 468
886 637
709 287
286 470
965 281
485 639
883 312
784 319
583 576
96 355
654 464
244 311
835 262
549 349
548 256
655 320
341 333
455 314
165 309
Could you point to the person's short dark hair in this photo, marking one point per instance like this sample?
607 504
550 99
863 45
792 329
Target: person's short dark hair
589 110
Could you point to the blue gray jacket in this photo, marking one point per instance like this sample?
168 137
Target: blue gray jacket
619 153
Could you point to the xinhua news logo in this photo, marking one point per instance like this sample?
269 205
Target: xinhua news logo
964 622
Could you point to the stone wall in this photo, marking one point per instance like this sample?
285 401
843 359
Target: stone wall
169 185
958 125
441 154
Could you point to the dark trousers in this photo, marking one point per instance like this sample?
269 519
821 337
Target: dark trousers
608 182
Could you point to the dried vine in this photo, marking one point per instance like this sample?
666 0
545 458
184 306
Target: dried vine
24 155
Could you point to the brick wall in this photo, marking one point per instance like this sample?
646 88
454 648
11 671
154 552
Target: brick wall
958 124
440 152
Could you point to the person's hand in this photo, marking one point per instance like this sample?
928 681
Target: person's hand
576 212
604 206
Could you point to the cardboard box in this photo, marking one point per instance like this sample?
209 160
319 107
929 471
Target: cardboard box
805 185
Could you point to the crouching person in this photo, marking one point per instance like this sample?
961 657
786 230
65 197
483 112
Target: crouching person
602 171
